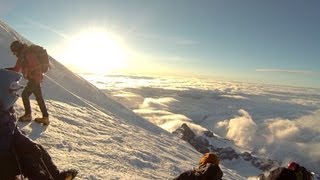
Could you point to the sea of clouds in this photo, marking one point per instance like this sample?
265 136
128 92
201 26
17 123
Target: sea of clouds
279 122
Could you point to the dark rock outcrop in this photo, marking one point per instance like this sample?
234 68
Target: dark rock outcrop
201 144
198 142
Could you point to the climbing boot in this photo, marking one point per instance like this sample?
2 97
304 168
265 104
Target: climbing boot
25 118
43 120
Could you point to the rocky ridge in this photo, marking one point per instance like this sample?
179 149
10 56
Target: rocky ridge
201 144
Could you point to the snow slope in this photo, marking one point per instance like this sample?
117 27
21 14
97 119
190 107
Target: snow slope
98 136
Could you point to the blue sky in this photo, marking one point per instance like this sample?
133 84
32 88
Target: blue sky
276 42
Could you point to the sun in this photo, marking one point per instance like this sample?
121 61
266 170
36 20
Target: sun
96 51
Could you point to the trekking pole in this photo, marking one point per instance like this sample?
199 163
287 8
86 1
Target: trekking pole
46 168
18 163
14 150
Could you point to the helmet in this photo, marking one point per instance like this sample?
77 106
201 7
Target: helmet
9 85
293 166
16 46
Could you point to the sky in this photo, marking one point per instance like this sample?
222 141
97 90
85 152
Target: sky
273 42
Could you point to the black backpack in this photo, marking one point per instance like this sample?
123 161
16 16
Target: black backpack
42 57
282 173
209 172
305 173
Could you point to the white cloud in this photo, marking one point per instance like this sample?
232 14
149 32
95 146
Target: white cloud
297 139
283 129
242 129
286 71
157 103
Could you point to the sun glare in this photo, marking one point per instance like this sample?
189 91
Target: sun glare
96 51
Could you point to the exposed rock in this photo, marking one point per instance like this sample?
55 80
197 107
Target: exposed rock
199 143
246 156
185 133
228 153
208 134
264 164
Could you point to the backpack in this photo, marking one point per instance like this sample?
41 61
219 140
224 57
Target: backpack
306 175
187 175
282 173
42 57
209 171
206 172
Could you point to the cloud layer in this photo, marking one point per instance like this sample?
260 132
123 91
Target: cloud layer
274 121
